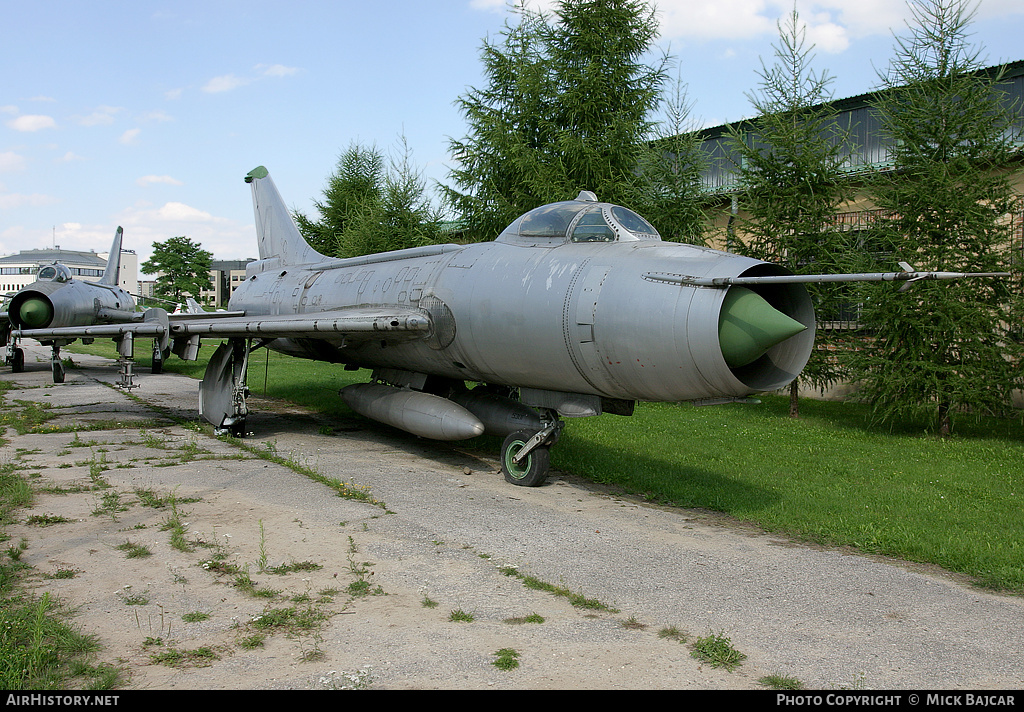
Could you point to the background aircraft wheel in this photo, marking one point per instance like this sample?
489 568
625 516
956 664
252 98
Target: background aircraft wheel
530 472
158 358
237 428
58 372
17 360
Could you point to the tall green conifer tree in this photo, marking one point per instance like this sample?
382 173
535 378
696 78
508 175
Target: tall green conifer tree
942 348
371 205
790 170
566 107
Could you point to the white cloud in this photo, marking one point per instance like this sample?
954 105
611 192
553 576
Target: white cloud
831 24
157 115
277 70
69 157
489 5
828 37
130 137
229 82
868 17
101 116
998 8
32 122
11 161
714 19
179 212
146 181
145 224
224 83
10 201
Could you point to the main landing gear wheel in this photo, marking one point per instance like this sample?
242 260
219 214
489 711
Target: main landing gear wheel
17 360
532 470
237 428
57 366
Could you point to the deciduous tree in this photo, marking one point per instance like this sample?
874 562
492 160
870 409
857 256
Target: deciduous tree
181 268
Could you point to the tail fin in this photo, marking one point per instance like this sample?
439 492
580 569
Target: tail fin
112 274
194 307
276 232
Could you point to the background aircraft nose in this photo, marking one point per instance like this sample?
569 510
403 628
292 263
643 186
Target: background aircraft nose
35 313
748 326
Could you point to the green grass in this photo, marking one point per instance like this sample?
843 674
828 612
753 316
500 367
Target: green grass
827 477
717 651
506 659
40 651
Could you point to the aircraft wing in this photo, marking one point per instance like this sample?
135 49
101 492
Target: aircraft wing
350 321
907 276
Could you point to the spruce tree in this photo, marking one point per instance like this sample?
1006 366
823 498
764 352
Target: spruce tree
942 348
355 185
791 161
372 204
566 107
669 191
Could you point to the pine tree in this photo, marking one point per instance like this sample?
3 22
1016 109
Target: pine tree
669 191
942 348
370 206
792 183
566 107
355 185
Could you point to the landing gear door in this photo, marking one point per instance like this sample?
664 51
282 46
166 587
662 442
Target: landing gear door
222 390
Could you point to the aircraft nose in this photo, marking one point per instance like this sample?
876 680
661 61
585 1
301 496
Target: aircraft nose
748 326
35 313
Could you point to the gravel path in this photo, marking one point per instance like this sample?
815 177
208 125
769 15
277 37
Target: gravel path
446 528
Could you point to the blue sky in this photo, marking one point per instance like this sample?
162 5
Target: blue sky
148 114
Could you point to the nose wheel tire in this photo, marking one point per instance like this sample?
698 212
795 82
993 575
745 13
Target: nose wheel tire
532 470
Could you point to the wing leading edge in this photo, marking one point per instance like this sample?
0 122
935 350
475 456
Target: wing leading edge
352 321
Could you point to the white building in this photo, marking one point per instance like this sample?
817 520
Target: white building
17 271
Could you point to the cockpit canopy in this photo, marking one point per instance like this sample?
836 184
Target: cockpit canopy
54 273
581 220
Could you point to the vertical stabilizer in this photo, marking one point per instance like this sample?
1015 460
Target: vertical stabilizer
112 274
276 232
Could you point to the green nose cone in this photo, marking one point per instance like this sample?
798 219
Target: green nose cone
748 326
35 313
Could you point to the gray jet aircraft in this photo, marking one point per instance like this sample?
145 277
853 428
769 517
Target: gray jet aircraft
57 300
578 308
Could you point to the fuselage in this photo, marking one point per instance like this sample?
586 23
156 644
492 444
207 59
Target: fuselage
529 311
56 301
